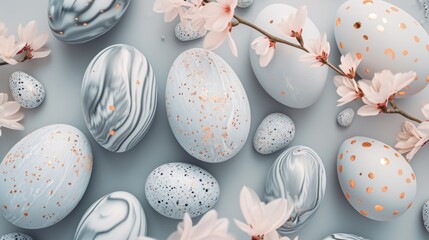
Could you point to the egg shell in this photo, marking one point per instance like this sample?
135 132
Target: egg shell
80 21
118 215
119 97
376 180
386 38
343 236
44 176
288 80
26 90
186 34
345 117
207 107
275 132
173 189
425 215
298 175
16 236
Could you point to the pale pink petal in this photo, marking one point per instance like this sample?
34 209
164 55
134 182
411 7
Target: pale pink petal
171 15
243 227
264 60
368 110
425 111
214 39
232 45
41 54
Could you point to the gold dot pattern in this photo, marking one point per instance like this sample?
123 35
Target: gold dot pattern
385 161
390 52
378 208
357 25
371 175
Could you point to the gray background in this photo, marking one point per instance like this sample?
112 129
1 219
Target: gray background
62 74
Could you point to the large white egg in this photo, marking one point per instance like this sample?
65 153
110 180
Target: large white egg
207 107
376 180
44 176
174 189
386 38
118 215
287 79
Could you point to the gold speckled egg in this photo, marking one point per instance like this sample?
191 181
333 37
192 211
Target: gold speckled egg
376 180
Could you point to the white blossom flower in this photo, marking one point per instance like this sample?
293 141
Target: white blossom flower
349 64
265 48
9 49
10 114
294 23
33 42
319 50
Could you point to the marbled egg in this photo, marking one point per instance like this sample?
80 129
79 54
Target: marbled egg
44 176
79 21
207 106
26 90
244 3
376 180
186 34
425 215
345 117
275 132
119 97
343 236
16 236
287 79
118 215
384 37
298 175
173 189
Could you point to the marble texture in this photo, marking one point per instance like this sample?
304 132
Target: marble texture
44 176
207 107
26 90
297 175
425 215
345 117
119 97
118 215
79 21
343 236
16 236
275 132
186 34
175 188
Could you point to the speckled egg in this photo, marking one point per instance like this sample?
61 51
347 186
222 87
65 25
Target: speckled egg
26 90
288 80
343 236
345 117
16 236
244 3
275 132
207 107
173 189
425 215
376 180
44 176
118 215
186 34
384 37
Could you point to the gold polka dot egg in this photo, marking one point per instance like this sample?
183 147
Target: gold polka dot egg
385 37
376 180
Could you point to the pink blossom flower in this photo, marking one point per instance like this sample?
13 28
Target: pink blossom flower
9 49
349 64
209 227
265 48
412 138
33 43
9 113
425 111
196 19
347 89
3 29
171 8
381 89
214 39
262 219
218 15
319 50
294 23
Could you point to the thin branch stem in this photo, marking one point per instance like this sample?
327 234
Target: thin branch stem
404 114
3 63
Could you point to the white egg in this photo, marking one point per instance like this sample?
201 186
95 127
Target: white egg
26 90
187 34
386 38
425 215
244 3
173 189
118 215
343 236
44 176
207 106
376 180
287 79
345 117
16 236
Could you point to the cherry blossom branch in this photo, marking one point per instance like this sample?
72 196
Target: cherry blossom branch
400 112
3 63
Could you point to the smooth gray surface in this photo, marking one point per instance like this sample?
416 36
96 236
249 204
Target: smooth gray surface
316 126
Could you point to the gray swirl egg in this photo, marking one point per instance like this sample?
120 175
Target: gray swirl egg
425 214
343 236
119 97
185 34
297 175
26 90
118 215
173 189
275 132
345 117
16 236
79 21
